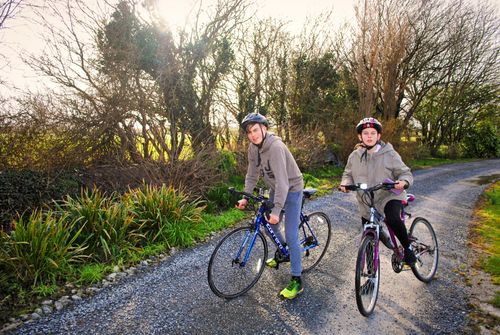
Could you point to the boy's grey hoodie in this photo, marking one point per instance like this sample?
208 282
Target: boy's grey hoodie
276 165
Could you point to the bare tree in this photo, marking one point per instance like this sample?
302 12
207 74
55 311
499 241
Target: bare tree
470 84
260 72
8 9
404 50
206 58
95 64
191 71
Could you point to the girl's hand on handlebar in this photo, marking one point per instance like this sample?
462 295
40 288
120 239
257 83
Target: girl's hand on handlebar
343 189
242 204
273 219
400 184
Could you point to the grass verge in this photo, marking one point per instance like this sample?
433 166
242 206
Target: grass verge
487 237
430 162
485 243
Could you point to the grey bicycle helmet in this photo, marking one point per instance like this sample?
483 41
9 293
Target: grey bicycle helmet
254 118
369 122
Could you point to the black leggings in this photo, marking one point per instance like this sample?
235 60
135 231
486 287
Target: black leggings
392 211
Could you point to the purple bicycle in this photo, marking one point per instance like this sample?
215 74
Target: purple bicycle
423 242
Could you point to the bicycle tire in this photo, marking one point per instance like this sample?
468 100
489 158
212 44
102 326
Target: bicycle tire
226 277
314 236
367 290
425 245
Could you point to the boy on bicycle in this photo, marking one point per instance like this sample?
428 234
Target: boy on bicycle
372 162
269 158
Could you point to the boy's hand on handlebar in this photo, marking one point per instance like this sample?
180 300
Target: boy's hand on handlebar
242 204
343 189
273 219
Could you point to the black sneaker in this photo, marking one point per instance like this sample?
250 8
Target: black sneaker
409 257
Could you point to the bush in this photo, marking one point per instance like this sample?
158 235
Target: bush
105 224
164 214
482 141
23 191
219 198
41 250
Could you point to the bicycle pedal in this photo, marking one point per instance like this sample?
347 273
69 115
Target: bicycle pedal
406 267
309 241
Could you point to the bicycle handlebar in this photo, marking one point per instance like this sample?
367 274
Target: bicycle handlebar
259 198
369 191
364 187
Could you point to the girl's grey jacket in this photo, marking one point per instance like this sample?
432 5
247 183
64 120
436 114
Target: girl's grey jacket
374 168
274 162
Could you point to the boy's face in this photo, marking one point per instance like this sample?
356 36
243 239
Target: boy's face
256 133
369 136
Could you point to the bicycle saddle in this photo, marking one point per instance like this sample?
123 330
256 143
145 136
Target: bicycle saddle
409 198
308 192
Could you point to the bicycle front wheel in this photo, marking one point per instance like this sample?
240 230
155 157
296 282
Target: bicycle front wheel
367 276
424 242
229 275
314 234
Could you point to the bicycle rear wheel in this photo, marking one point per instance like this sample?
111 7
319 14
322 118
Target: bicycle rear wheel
367 276
314 234
424 242
228 277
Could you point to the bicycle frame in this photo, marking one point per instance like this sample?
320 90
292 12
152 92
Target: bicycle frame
304 219
373 228
260 220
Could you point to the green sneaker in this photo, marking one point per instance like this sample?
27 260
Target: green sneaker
272 263
292 290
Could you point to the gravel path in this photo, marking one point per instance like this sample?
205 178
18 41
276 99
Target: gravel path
173 297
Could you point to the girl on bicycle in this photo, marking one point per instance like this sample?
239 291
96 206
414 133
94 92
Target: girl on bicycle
269 158
372 162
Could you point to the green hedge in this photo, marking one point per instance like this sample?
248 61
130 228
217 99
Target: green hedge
21 192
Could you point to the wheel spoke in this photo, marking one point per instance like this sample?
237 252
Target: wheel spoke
367 276
424 242
230 276
315 235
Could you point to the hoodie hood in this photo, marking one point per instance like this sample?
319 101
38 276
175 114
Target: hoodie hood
268 141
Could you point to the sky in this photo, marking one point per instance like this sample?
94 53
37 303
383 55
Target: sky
21 36
296 11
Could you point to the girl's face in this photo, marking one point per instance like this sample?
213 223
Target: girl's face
256 133
369 136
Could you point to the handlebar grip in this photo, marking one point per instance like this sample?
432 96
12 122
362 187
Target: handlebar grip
269 204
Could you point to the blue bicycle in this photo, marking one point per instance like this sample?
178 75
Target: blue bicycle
238 260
